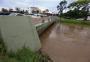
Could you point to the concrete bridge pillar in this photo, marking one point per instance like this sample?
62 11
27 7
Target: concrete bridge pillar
17 32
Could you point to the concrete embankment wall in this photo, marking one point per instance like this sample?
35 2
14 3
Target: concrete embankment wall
18 32
41 27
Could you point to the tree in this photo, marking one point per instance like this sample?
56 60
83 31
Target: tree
47 10
37 11
26 12
18 10
61 6
44 12
74 14
4 10
22 11
81 5
10 10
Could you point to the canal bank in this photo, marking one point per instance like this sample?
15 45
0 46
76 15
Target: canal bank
67 43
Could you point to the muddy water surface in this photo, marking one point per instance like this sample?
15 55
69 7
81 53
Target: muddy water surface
67 43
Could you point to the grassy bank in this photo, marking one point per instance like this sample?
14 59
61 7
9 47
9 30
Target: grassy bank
24 55
74 21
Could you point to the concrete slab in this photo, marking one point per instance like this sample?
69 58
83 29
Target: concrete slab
17 32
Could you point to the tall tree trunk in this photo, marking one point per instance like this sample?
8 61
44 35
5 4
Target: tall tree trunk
87 9
85 19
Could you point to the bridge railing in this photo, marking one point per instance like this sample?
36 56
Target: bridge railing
41 27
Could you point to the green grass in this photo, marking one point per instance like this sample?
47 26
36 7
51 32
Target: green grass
74 21
25 55
22 55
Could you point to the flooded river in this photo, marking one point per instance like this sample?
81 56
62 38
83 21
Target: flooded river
67 43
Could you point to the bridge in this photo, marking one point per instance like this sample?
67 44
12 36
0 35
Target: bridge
19 31
62 42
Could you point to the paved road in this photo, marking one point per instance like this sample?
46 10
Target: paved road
67 43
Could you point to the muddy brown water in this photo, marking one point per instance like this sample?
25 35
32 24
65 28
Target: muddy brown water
67 43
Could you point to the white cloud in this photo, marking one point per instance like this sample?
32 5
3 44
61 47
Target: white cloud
20 3
42 4
28 3
41 7
48 0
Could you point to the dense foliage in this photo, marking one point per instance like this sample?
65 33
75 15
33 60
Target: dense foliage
76 9
75 14
61 6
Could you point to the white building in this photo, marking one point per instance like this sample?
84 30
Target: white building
88 18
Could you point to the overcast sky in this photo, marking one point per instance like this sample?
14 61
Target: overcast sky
49 4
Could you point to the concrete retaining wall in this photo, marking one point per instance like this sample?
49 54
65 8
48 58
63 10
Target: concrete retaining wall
17 32
41 27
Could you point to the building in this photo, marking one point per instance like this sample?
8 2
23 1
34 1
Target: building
35 10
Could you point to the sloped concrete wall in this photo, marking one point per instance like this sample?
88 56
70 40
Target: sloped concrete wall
17 32
41 27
